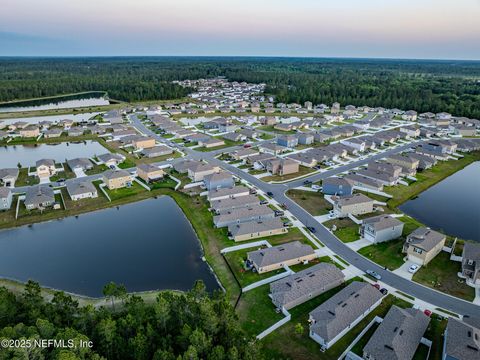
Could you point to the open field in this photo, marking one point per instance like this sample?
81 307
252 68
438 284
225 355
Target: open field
313 202
388 254
347 230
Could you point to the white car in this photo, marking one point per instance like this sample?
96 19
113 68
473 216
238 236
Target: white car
316 187
169 159
413 268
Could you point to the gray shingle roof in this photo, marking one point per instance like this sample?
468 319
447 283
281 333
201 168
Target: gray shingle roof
357 198
425 238
37 195
317 277
463 339
381 222
342 309
233 203
399 334
279 253
80 187
252 227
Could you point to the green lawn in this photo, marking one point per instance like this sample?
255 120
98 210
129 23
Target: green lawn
313 202
358 347
125 192
24 179
441 274
347 230
387 254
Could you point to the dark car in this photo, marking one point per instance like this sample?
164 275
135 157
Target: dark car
384 291
312 229
269 193
263 202
307 182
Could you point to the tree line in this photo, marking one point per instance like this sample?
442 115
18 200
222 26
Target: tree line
176 326
422 85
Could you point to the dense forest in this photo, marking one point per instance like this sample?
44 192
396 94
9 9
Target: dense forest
177 326
452 86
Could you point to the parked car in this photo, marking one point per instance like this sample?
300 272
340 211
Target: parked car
263 202
311 229
246 146
413 268
427 312
373 274
316 187
112 167
269 193
384 291
307 182
377 286
253 191
284 206
169 159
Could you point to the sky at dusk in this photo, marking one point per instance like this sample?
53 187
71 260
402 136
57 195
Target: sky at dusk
435 29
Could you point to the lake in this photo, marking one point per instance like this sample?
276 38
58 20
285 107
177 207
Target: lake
453 205
50 104
53 118
147 245
27 155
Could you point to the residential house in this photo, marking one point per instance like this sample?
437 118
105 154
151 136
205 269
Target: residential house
218 180
410 115
75 131
276 257
398 335
116 179
424 161
287 140
471 263
82 164
78 190
378 176
52 133
45 167
225 205
243 153
197 172
408 163
381 228
410 131
255 229
271 148
283 126
30 131
463 130
305 138
461 340
143 142
39 197
233 136
304 285
8 176
149 172
423 244
337 186
356 204
360 182
6 196
342 312
212 142
282 166
220 194
111 159
242 215
356 143
268 120
156 151
386 168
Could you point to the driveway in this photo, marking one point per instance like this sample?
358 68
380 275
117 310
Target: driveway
403 270
357 245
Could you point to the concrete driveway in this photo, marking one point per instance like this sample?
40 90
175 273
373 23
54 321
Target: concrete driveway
403 270
357 245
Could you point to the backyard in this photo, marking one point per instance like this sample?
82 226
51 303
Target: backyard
313 202
347 230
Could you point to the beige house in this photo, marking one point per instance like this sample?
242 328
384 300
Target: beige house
408 163
199 171
45 168
30 131
255 229
116 179
144 143
356 204
276 257
423 244
149 172
282 166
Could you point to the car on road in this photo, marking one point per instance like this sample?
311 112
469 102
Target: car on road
269 193
246 146
284 206
263 202
312 229
307 182
413 268
373 274
112 167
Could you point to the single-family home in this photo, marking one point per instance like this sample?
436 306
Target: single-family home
111 159
471 263
410 131
45 167
234 136
282 166
255 229
287 140
356 143
52 133
75 131
143 142
212 142
342 312
116 179
78 190
360 181
30 131
243 153
149 172
80 163
390 169
461 340
463 130
220 194
408 163
271 148
410 115
222 179
8 176
160 150
423 244
337 186
198 171
424 161
381 228
245 214
39 197
225 205
276 257
356 204
6 196
304 285
398 335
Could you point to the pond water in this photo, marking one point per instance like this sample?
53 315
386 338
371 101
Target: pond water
147 245
453 205
53 118
27 155
54 104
